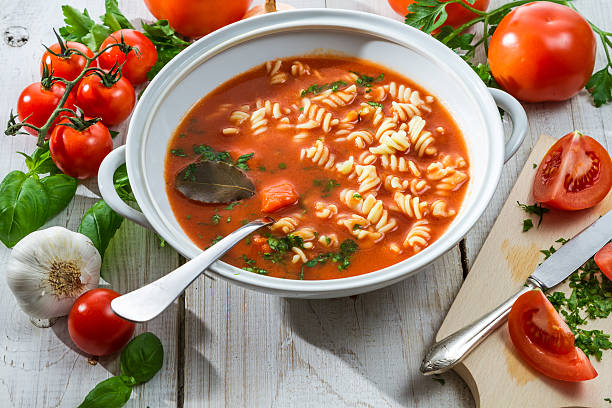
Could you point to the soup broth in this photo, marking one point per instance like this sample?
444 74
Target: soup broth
378 166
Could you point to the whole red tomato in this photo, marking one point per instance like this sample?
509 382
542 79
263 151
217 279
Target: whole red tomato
79 152
140 60
66 65
113 102
457 14
37 103
94 327
196 18
542 51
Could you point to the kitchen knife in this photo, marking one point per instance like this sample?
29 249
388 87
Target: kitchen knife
446 353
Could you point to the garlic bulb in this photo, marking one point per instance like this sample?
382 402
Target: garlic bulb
48 269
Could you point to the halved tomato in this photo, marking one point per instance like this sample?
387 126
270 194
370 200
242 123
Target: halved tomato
545 341
603 259
575 174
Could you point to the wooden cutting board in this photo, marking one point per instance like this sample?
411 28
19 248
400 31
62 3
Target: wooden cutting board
495 373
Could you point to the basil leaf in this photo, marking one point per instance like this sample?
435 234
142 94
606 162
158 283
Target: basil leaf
110 393
122 184
40 162
100 223
113 18
60 190
142 358
23 206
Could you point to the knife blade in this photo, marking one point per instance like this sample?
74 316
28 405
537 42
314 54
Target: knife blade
448 352
574 253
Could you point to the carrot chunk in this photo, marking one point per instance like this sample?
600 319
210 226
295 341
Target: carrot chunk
278 196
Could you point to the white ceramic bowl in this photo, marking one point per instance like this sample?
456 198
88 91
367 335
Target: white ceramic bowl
236 48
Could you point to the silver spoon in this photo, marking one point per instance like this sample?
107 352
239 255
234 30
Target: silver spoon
144 304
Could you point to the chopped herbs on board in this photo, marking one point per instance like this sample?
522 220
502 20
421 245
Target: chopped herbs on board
527 224
535 209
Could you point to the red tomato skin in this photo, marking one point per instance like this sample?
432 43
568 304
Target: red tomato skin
542 51
196 18
278 196
457 14
573 366
94 327
553 193
113 104
138 63
67 68
80 153
603 259
39 103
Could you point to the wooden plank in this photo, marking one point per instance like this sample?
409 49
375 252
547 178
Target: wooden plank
39 367
248 349
494 370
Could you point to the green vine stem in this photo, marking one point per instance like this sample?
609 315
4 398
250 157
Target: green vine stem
14 126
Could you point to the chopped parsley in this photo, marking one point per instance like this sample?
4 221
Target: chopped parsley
189 172
342 257
326 185
215 240
536 209
282 246
366 81
252 267
232 205
208 153
182 135
375 104
188 216
315 88
527 224
261 168
357 227
215 219
228 220
591 298
608 400
357 196
178 152
282 166
535 166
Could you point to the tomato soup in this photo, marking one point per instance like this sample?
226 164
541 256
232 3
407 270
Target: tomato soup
363 167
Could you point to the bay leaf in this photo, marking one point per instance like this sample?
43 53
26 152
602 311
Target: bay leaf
214 182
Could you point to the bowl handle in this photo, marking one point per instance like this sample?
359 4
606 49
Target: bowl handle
107 188
519 120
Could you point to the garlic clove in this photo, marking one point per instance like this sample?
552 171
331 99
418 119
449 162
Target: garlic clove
48 269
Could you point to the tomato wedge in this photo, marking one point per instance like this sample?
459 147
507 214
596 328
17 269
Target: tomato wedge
278 196
575 174
545 341
603 259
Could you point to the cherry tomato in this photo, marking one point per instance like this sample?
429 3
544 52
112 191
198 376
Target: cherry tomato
277 196
140 60
66 67
457 14
196 18
38 103
544 340
112 103
542 51
94 327
575 173
603 259
79 153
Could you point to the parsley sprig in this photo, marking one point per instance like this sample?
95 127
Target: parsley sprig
591 298
316 88
342 257
535 209
430 15
208 153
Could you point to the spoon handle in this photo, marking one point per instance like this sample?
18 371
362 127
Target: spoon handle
144 304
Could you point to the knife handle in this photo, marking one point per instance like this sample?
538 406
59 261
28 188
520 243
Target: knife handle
448 352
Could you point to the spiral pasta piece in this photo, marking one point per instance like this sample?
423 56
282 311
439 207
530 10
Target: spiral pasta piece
361 138
238 117
357 226
328 240
274 73
405 111
285 225
387 127
323 210
307 233
411 206
339 98
347 168
419 235
394 183
418 186
389 144
299 256
439 209
259 123
298 69
394 163
314 116
453 181
319 154
437 171
367 177
421 139
369 207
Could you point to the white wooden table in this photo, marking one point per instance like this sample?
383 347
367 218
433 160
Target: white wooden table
226 346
